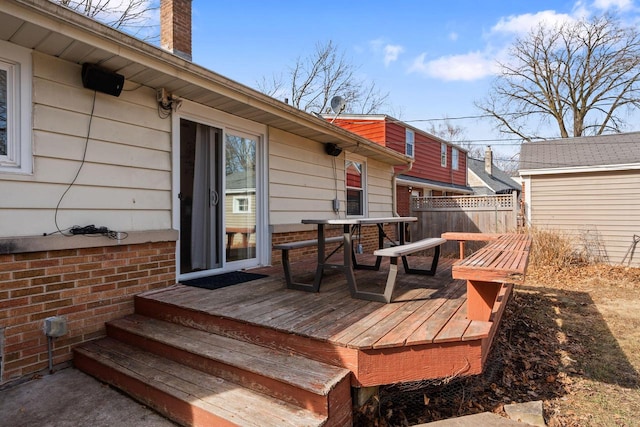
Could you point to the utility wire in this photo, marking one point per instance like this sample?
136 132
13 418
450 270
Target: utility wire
84 156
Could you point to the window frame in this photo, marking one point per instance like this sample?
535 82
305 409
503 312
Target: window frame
236 205
362 189
17 62
410 143
455 158
443 155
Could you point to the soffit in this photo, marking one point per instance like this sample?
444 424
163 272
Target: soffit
53 30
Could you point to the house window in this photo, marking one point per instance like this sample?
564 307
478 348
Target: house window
241 204
443 155
410 143
454 159
15 109
355 177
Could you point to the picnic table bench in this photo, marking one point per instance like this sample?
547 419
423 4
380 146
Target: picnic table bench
503 260
393 252
286 264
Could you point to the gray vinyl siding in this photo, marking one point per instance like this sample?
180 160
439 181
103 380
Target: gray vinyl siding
600 208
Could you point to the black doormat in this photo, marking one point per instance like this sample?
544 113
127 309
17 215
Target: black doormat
223 280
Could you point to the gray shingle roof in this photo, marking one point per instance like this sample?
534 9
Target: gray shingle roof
616 149
241 180
499 182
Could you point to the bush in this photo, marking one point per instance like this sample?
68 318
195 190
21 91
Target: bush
553 248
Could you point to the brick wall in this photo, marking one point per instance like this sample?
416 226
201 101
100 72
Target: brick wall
87 287
175 26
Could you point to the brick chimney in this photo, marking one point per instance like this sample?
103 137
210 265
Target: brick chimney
488 160
175 27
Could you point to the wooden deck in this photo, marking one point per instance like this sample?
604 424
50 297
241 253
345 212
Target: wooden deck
423 334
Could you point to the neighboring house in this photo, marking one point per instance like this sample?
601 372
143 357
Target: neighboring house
439 168
167 166
588 187
485 178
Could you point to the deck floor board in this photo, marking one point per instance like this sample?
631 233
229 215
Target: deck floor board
420 312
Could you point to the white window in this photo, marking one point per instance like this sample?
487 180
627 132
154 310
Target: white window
443 155
410 143
454 158
15 109
241 204
355 179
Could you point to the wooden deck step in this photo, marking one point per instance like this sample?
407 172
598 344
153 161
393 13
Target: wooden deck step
183 394
292 378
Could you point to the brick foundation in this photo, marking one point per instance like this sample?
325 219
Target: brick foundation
87 286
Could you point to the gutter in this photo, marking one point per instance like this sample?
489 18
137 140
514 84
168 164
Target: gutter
434 186
580 169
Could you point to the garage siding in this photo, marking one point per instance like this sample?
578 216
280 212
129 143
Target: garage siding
600 210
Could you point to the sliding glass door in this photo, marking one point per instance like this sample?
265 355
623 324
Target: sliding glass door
218 198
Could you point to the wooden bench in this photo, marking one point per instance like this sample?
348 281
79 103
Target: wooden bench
464 237
402 251
286 265
503 260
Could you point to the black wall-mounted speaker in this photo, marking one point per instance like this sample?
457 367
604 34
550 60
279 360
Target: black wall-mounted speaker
97 78
332 149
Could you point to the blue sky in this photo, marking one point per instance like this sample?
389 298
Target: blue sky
434 58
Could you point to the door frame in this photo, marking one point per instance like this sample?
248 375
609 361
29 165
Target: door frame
228 123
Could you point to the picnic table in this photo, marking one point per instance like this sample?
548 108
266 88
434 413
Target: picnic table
350 263
503 260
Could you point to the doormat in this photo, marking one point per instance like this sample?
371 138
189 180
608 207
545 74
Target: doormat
223 280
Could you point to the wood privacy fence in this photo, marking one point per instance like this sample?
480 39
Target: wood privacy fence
471 214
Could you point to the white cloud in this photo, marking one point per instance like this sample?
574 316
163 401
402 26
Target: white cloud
522 24
482 62
581 10
613 4
391 53
467 67
453 36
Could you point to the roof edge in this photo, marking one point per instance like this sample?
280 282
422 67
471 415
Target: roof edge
51 15
580 169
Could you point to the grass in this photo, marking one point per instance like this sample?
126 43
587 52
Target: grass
597 310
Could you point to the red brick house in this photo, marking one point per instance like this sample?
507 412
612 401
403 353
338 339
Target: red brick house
439 167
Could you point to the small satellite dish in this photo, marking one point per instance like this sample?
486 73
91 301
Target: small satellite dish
338 104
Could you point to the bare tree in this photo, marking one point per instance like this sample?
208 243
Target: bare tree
136 17
313 81
579 76
457 135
